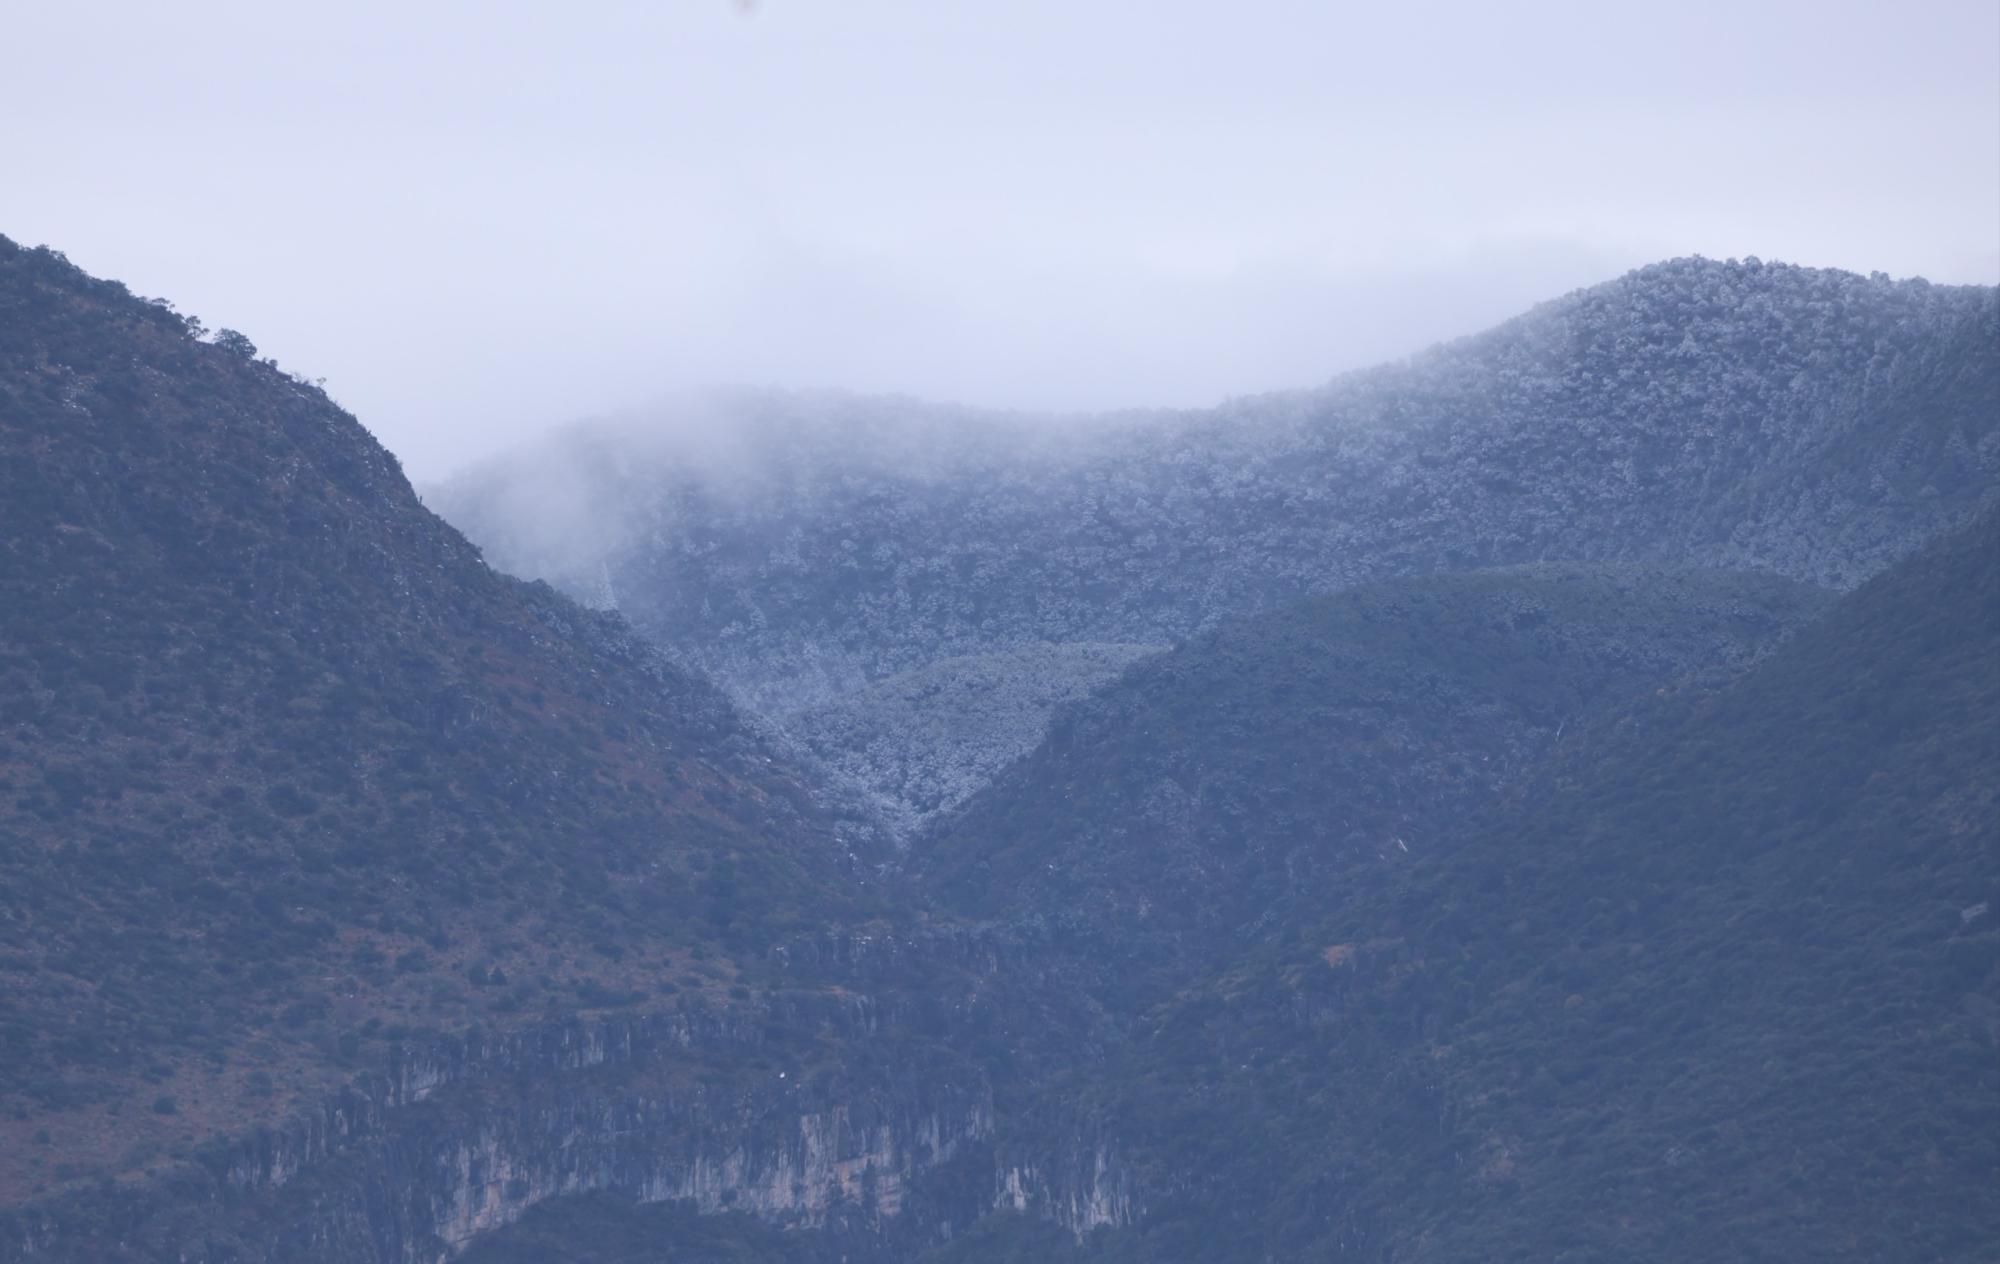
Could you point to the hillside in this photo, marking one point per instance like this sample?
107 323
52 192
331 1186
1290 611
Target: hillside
1694 413
1713 976
921 742
1225 789
291 777
1722 982
1296 863
1191 820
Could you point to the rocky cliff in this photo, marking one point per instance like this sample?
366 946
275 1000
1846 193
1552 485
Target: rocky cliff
863 1120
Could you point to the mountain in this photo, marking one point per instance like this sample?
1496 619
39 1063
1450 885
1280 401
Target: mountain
1785 1031
1733 415
1721 981
921 742
357 900
1716 976
286 767
1236 781
1392 823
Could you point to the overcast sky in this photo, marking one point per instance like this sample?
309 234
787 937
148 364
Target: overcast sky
477 220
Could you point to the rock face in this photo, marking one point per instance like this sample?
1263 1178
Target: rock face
459 1139
1091 1191
866 1117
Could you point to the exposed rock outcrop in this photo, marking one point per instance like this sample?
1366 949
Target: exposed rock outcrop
728 1110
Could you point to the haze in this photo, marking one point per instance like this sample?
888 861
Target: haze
476 221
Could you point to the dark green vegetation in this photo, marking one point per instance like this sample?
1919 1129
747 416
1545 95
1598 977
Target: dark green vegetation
360 904
1753 953
1218 793
284 766
1715 976
1722 982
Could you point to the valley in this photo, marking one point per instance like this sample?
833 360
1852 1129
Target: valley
1536 800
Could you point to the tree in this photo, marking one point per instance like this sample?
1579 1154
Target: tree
230 340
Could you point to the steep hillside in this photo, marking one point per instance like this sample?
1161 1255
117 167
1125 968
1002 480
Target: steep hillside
288 776
1722 983
1714 977
358 903
1759 965
1694 413
1227 788
919 743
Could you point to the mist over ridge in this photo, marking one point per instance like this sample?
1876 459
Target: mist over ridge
887 632
478 227
820 555
966 836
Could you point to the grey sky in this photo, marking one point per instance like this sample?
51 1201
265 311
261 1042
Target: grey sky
476 220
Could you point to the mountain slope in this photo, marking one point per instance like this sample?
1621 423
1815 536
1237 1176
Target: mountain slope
1723 983
286 768
1234 782
1809 866
356 901
922 741
1713 977
1694 413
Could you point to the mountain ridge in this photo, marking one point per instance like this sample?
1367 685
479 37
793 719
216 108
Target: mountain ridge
1742 415
358 902
1226 783
286 762
1719 980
